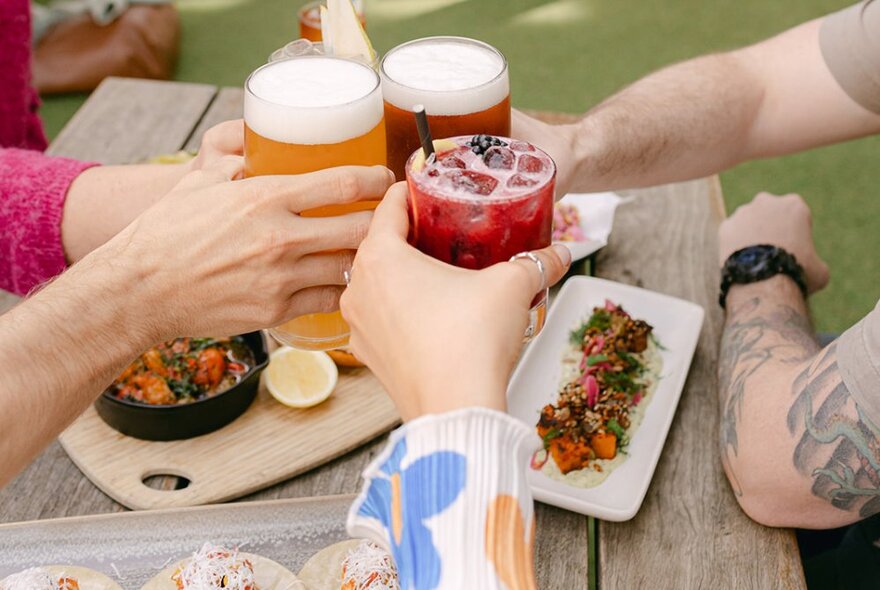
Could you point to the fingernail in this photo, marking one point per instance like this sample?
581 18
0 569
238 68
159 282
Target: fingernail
391 178
564 253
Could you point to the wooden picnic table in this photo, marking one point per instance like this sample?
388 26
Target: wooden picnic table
690 532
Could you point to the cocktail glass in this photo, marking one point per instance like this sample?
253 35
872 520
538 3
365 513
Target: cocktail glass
481 200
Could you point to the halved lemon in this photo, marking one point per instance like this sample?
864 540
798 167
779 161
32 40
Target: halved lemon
300 378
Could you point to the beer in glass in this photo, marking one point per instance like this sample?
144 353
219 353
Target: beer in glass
462 83
305 114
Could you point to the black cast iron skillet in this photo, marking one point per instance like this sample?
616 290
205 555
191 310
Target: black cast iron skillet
151 422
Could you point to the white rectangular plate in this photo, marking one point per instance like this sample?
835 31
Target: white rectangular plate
535 383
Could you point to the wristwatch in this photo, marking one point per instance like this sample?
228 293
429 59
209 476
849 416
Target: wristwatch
758 263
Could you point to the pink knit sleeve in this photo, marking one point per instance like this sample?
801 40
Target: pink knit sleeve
33 187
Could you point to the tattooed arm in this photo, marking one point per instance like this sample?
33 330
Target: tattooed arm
797 448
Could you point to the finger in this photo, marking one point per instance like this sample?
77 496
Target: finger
225 169
391 215
342 232
224 138
556 259
321 269
333 186
314 300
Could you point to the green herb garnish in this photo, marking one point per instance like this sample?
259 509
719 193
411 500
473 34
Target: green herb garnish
551 434
595 359
577 336
657 342
616 428
183 388
601 320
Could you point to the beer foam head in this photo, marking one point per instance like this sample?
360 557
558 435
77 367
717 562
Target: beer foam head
312 100
449 75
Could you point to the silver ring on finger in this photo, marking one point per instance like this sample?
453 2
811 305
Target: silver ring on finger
346 276
534 258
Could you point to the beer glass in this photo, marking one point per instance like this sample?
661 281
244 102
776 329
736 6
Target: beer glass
305 114
462 83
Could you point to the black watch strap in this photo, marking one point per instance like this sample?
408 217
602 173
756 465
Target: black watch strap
758 263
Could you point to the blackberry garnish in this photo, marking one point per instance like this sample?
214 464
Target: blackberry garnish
480 143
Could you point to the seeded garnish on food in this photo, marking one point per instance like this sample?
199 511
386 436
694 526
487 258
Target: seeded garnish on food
612 366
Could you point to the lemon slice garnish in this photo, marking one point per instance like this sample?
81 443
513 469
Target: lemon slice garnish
342 32
440 146
300 378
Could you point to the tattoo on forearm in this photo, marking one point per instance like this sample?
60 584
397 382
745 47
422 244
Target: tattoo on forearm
756 333
849 478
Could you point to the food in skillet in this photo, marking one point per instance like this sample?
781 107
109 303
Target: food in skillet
351 565
184 370
610 370
218 568
58 577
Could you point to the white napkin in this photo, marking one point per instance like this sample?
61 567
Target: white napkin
597 218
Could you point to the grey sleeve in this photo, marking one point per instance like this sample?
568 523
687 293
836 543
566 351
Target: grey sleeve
850 44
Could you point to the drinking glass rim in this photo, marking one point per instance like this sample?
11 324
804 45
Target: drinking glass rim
376 86
489 200
467 40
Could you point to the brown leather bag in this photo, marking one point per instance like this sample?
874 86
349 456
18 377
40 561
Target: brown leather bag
76 54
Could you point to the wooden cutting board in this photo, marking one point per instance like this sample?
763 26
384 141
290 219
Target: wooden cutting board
269 443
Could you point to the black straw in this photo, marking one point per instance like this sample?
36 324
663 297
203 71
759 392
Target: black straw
424 130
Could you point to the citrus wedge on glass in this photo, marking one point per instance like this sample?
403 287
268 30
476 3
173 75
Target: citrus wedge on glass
342 32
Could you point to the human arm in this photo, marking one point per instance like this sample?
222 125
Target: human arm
211 257
443 341
796 444
103 200
707 114
54 211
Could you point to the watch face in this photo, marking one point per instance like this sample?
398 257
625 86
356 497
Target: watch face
754 258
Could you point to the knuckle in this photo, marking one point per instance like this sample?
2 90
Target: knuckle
329 299
348 186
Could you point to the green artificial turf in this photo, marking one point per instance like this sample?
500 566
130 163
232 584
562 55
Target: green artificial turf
567 55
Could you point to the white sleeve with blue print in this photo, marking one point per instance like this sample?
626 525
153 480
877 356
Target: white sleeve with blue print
448 497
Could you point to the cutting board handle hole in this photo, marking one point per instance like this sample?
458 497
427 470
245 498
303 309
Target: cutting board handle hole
166 482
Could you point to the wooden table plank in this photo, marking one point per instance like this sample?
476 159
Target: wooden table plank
690 532
126 121
228 104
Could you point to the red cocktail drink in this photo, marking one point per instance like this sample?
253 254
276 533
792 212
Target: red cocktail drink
481 200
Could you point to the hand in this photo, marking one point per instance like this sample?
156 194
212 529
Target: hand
559 141
438 337
221 257
779 221
223 139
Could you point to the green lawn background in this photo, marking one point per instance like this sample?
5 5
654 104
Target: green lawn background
569 54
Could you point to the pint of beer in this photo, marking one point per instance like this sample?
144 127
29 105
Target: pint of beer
462 83
304 114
